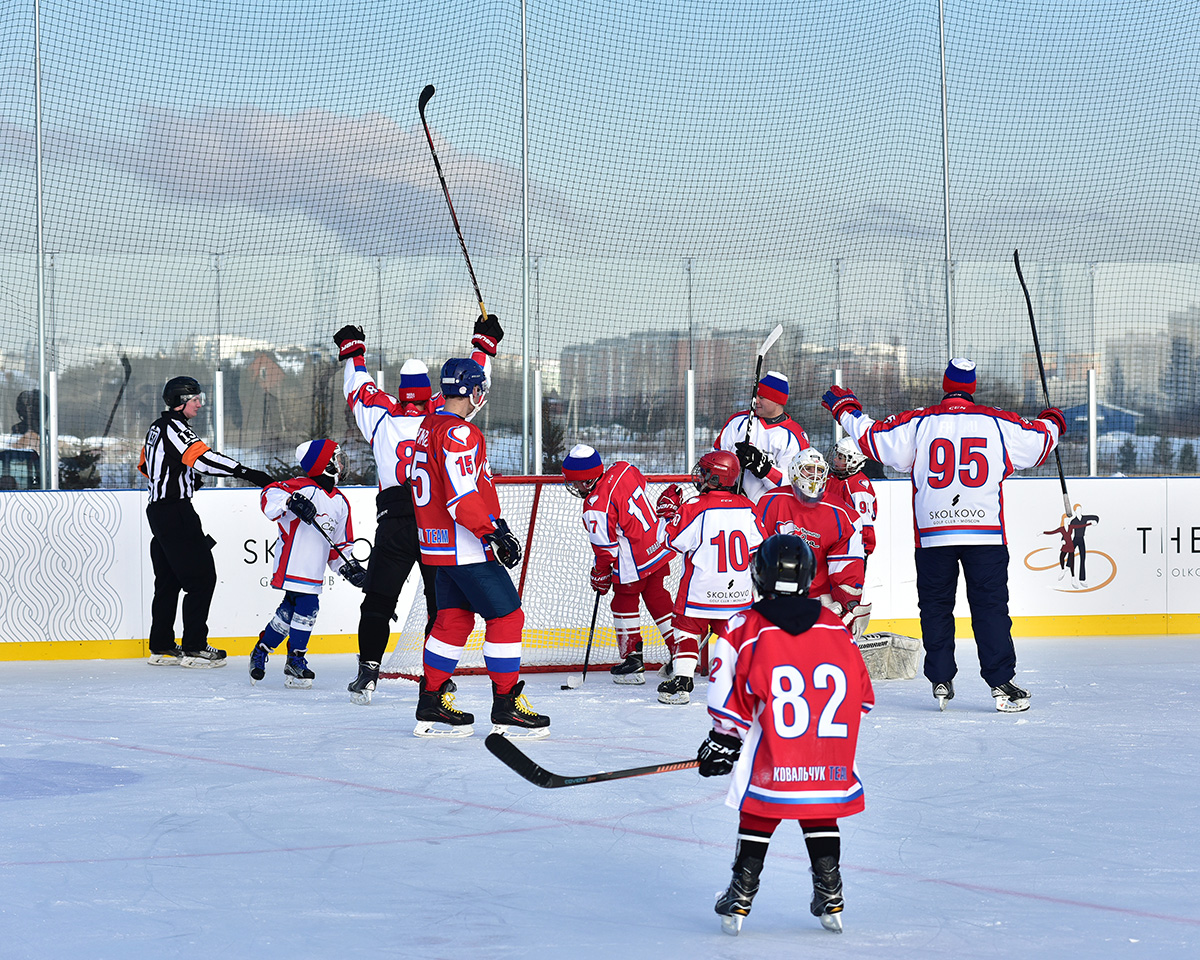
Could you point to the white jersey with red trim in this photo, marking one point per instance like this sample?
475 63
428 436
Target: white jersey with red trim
858 493
797 701
621 524
389 426
718 536
301 553
959 452
780 441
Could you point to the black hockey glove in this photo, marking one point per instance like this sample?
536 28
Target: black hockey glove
250 475
487 334
506 546
355 572
718 753
302 507
351 342
752 459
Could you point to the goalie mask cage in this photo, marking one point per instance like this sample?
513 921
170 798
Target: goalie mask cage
552 579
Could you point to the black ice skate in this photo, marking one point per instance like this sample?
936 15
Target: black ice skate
208 657
171 657
258 661
827 900
437 707
733 906
296 672
1010 698
631 670
362 686
513 717
676 690
943 691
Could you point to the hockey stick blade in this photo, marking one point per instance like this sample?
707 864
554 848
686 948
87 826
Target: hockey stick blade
770 341
424 98
511 756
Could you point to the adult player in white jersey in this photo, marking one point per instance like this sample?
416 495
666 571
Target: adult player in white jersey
389 424
717 534
959 453
764 438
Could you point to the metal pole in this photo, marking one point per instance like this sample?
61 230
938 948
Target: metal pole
1091 402
44 452
537 422
837 427
52 383
946 183
689 421
218 415
525 249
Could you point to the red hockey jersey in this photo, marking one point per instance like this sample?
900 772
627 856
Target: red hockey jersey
621 525
453 493
858 493
797 702
831 532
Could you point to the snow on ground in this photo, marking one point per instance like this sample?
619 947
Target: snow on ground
157 812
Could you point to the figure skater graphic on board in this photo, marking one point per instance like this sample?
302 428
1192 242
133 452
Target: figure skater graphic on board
1072 530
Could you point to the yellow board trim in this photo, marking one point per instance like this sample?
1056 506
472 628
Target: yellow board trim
1133 624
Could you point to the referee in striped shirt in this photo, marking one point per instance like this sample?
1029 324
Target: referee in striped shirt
180 550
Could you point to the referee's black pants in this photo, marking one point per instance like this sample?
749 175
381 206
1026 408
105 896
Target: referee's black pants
396 550
181 554
985 569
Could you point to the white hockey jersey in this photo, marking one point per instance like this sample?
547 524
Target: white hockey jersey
958 452
780 441
302 553
389 427
718 535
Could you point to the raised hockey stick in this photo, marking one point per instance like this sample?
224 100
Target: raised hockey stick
422 102
120 394
1037 348
572 683
762 352
510 754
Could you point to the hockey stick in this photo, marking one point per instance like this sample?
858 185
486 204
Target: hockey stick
762 352
422 102
120 393
1037 348
587 656
511 756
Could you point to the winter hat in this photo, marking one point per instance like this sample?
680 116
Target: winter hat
774 386
582 463
314 456
414 382
959 376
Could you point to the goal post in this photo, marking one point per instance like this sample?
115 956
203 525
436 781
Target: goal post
552 579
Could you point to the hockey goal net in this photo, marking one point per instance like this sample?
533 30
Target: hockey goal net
552 580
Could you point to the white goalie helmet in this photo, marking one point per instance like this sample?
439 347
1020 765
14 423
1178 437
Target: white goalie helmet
845 459
808 473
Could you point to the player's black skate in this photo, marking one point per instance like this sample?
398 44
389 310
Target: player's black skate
943 692
168 657
1010 698
437 707
733 906
676 690
258 661
827 900
513 717
362 686
296 672
207 657
631 670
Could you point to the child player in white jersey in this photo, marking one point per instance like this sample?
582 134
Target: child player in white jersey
302 508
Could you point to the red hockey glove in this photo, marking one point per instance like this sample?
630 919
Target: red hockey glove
1055 416
488 334
601 579
669 501
351 342
838 400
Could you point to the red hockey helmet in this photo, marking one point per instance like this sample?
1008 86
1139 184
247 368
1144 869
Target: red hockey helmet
716 470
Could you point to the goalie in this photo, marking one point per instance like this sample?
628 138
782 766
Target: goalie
806 509
623 530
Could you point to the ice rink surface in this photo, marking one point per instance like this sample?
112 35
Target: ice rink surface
160 812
